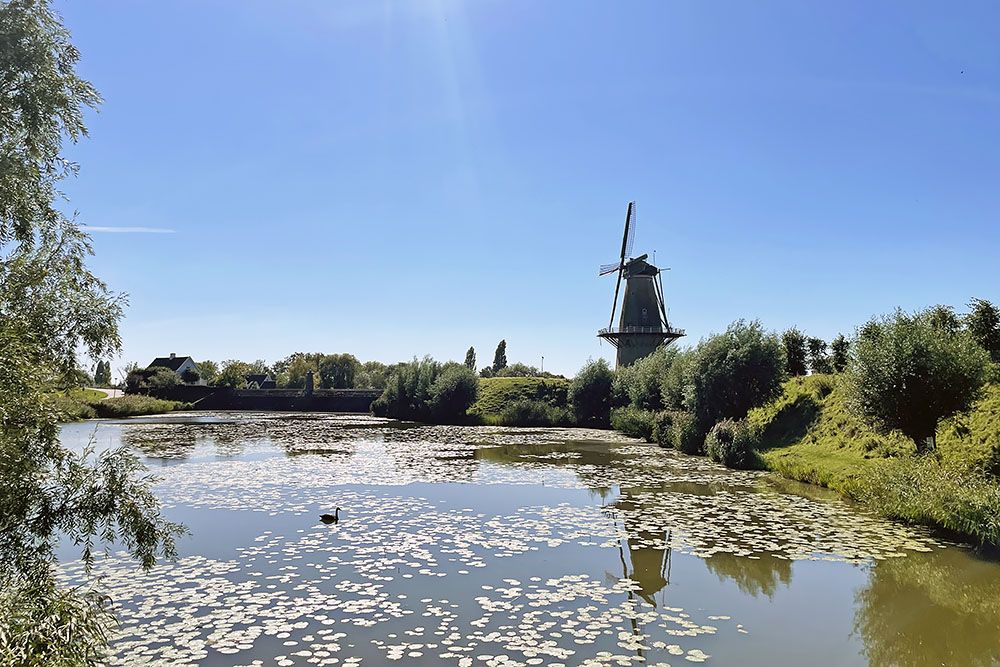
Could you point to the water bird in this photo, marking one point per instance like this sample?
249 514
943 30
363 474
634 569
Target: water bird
331 518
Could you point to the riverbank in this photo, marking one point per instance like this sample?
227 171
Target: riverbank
808 434
77 404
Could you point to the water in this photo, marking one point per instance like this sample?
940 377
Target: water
500 546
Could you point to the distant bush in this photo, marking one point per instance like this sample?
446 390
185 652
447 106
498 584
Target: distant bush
732 443
428 391
634 422
132 406
590 394
142 380
663 424
685 435
530 413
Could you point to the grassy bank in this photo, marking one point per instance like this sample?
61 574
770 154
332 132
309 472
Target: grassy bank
76 404
522 401
808 434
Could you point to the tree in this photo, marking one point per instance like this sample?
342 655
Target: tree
732 372
590 394
51 306
233 373
291 371
372 375
819 361
452 393
517 370
337 371
944 318
983 323
190 376
500 357
794 342
840 348
208 371
470 359
908 373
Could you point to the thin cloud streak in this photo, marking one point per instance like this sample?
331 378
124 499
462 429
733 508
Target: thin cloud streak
127 230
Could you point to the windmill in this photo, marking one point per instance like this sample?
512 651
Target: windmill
642 325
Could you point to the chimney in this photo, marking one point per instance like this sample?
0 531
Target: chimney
173 356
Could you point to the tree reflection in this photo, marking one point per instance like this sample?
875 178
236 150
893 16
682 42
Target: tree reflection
758 576
940 608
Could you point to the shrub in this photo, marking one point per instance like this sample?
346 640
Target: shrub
732 444
634 422
530 413
733 372
131 406
70 408
908 372
426 390
685 436
663 422
451 394
590 394
140 381
639 384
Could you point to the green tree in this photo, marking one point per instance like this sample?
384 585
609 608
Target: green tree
233 373
291 371
590 394
51 306
983 323
470 358
190 376
517 370
500 357
208 371
944 318
372 375
819 360
337 371
428 391
839 349
733 372
794 342
908 373
452 393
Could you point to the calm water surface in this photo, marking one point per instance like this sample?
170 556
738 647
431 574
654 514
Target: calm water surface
499 546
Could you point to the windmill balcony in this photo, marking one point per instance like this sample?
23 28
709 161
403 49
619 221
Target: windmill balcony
670 331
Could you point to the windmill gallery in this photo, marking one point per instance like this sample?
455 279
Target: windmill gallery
642 324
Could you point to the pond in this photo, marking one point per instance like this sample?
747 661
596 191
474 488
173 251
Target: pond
501 546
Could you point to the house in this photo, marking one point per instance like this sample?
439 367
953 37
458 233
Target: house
260 381
179 365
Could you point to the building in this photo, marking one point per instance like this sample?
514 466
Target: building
260 381
179 365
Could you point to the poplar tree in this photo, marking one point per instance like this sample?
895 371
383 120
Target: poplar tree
500 357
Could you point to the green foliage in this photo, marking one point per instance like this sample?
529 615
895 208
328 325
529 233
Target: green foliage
500 357
497 394
51 308
526 412
291 371
49 626
102 374
734 372
590 394
517 370
337 371
663 423
427 391
150 379
974 436
470 358
372 375
190 376
839 350
453 393
685 434
132 406
732 443
639 384
819 360
233 373
921 489
208 371
794 343
634 422
983 324
907 373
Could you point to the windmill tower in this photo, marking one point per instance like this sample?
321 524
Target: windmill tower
642 326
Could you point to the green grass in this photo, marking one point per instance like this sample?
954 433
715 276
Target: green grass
85 395
808 434
496 395
132 406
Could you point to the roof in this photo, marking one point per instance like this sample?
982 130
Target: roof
259 377
167 362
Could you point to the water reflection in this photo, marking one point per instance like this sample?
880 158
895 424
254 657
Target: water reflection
754 575
941 608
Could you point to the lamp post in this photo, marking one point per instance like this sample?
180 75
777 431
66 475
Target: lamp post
543 363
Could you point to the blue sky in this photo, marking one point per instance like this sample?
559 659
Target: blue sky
405 178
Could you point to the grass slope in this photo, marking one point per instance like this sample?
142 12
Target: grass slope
495 394
808 434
